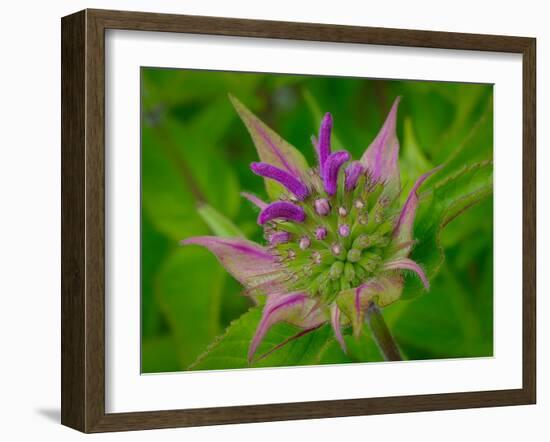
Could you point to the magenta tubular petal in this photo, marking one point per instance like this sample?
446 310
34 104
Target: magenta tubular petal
292 184
381 156
282 210
248 262
254 200
352 172
296 308
403 231
271 147
408 264
336 326
323 144
331 169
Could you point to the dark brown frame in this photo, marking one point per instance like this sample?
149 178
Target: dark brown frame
83 216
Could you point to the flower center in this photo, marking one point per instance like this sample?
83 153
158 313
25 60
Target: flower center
342 241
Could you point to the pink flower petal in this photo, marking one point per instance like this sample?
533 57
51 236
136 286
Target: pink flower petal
254 200
336 326
296 308
271 147
381 156
403 231
314 142
249 263
408 264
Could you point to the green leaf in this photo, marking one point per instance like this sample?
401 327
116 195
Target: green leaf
413 161
331 352
230 350
177 169
219 224
159 354
445 309
155 248
444 115
439 206
166 195
202 162
188 288
469 140
362 349
177 88
210 125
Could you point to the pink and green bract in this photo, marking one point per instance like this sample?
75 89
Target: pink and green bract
337 239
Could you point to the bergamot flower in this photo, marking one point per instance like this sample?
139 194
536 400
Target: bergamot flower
337 240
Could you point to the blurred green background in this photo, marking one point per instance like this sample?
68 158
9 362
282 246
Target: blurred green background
195 149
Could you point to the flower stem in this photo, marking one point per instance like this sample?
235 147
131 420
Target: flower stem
382 334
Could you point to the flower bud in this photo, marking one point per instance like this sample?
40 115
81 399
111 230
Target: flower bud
322 206
316 256
342 212
336 249
349 271
305 242
354 255
344 230
362 242
336 270
320 233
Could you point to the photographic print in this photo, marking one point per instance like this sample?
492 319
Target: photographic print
295 220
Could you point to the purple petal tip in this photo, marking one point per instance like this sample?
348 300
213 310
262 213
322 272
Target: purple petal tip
381 156
254 200
404 225
282 210
331 169
352 172
409 264
336 326
292 184
274 312
323 144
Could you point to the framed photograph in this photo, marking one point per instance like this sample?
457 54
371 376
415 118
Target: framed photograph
266 220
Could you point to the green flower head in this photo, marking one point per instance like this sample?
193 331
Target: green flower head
337 239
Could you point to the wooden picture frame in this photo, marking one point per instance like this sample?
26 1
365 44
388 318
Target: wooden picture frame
83 220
